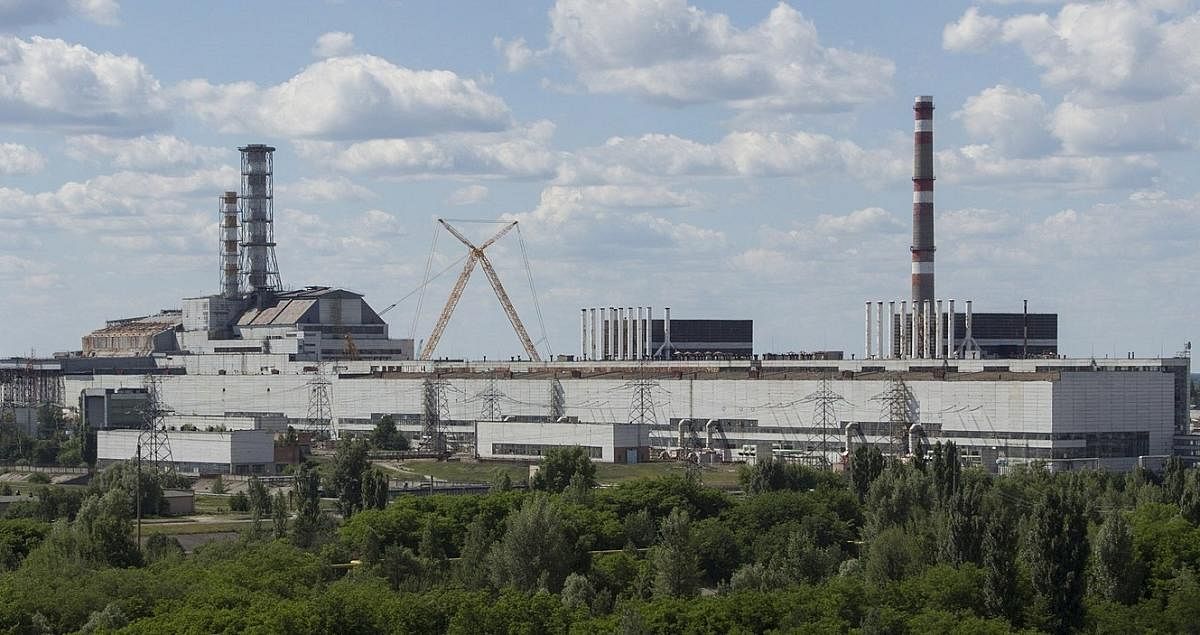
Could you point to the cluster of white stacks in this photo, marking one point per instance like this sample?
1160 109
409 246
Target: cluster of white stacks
616 333
924 330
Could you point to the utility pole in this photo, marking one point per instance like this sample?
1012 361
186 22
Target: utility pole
434 409
320 404
558 400
1025 332
137 497
825 402
154 435
899 411
641 407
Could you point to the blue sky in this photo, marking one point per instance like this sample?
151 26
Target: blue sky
742 159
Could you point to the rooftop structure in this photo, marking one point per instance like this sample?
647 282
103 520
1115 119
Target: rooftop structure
131 337
258 219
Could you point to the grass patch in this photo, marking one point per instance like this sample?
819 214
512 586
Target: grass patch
171 529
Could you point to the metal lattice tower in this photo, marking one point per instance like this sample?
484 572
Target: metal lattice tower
900 413
491 395
258 219
320 404
558 400
641 407
825 402
435 408
154 446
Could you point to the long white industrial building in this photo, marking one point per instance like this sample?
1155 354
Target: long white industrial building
1107 413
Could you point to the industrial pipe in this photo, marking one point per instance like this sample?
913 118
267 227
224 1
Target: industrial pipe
892 335
950 352
879 327
941 334
915 433
867 351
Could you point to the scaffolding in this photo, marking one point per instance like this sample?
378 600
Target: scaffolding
258 219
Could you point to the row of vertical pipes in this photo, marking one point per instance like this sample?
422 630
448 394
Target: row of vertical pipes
924 330
619 333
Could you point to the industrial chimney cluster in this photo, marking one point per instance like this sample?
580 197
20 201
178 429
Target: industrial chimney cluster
620 333
922 330
248 246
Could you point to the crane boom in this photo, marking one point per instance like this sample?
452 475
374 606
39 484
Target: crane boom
476 256
509 310
451 302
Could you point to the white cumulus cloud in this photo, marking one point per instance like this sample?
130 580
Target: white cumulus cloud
48 83
18 13
19 159
468 195
152 153
1010 119
334 44
519 153
350 98
670 52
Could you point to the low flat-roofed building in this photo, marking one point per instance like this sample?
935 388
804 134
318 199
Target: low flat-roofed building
525 440
198 452
180 502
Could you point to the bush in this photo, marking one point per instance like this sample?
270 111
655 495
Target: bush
239 502
38 478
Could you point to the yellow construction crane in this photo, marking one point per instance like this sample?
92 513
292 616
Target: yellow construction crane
476 256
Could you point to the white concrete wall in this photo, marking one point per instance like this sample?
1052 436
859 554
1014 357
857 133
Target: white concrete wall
237 447
970 412
552 434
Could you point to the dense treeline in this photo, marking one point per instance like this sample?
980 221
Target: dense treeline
929 546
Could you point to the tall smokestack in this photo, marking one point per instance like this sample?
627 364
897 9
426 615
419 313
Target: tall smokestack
922 247
230 271
258 219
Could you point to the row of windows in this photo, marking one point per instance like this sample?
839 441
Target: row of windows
537 449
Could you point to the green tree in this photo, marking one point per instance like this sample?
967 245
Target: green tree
349 465
374 489
501 481
964 523
559 465
218 485
401 568
577 592
674 561
891 556
386 437
1173 479
866 464
1113 571
162 547
107 620
306 492
473 563
534 552
1189 496
279 515
104 533
1000 575
259 502
1058 557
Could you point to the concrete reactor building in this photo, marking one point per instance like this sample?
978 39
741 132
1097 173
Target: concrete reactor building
642 387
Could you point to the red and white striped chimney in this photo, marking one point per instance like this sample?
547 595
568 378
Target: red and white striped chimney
922 246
